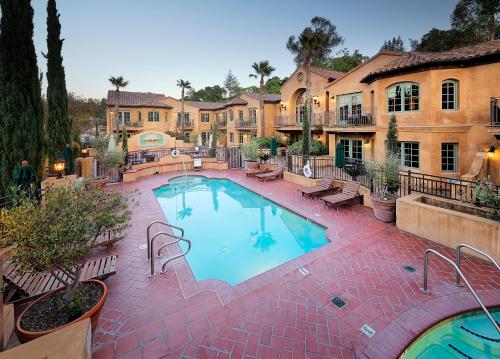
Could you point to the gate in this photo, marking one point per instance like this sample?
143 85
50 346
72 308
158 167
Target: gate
234 157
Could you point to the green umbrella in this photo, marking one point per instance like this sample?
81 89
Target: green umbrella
68 158
339 156
273 147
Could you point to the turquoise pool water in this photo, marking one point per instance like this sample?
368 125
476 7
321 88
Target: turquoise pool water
236 234
466 336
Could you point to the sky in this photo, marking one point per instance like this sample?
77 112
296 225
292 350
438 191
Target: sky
152 43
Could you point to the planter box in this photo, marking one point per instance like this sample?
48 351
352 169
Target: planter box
443 221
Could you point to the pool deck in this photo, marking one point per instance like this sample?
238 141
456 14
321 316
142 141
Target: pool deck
282 313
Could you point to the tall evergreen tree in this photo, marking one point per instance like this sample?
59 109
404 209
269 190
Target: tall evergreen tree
392 137
396 44
58 122
231 85
21 111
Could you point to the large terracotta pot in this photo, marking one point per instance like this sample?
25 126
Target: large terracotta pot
384 210
252 165
93 314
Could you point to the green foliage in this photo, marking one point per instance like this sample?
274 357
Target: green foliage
124 144
251 150
396 44
487 194
317 148
385 176
214 137
21 109
59 125
306 133
114 159
273 85
344 61
207 94
476 20
263 142
437 41
264 156
392 137
60 231
231 85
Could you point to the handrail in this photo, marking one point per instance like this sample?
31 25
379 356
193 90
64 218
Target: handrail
151 254
458 255
426 269
148 233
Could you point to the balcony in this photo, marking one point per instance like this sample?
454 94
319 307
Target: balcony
221 123
357 117
187 124
494 127
246 124
293 121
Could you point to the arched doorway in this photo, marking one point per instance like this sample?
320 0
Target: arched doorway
300 106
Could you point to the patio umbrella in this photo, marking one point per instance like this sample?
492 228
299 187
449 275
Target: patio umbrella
210 140
339 156
273 147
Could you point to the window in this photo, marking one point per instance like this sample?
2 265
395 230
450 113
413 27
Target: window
449 157
166 116
449 95
186 136
231 137
231 115
205 117
240 137
205 137
252 114
124 115
186 118
224 116
349 105
139 116
403 97
409 154
240 115
353 149
153 116
253 135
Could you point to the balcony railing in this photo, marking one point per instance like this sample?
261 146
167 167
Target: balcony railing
187 124
357 117
318 119
222 123
250 123
494 111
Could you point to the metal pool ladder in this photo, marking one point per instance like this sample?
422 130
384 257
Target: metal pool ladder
460 275
150 246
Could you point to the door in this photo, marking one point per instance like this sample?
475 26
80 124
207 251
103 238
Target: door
349 106
234 157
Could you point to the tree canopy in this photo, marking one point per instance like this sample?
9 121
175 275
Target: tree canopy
344 61
231 85
396 44
209 94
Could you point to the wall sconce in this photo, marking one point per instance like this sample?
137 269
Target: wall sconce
283 106
85 152
367 143
491 152
59 167
333 97
316 100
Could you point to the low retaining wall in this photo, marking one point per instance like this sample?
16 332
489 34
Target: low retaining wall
432 218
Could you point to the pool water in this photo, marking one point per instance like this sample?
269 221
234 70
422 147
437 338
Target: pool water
236 234
469 335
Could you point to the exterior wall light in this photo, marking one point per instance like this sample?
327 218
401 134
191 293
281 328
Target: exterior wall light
85 152
316 100
59 167
283 106
491 152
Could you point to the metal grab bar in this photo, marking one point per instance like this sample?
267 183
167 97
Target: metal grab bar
458 255
151 254
426 265
148 234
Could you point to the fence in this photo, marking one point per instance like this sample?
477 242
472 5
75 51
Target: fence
138 157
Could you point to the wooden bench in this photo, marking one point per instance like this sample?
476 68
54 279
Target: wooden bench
33 285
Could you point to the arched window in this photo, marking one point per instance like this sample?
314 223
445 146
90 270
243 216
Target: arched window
449 95
403 96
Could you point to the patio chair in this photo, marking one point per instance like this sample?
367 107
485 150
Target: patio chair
324 187
107 240
33 285
276 173
250 172
348 194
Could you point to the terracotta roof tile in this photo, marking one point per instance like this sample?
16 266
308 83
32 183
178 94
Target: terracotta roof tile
415 59
327 73
202 105
268 97
137 99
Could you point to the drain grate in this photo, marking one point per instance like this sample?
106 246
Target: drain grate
303 271
338 302
409 268
367 330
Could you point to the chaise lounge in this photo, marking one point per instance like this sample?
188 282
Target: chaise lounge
276 173
262 168
348 194
324 187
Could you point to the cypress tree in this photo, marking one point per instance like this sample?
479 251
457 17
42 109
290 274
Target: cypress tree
305 132
58 122
21 111
392 137
125 143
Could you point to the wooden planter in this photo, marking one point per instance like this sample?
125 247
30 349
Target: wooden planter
93 314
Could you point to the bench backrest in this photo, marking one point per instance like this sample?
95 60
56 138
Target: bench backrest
350 188
326 182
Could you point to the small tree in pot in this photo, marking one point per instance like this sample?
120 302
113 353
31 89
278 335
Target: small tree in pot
55 236
251 153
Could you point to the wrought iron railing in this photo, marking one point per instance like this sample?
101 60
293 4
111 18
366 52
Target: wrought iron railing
356 117
318 119
247 123
187 123
221 123
494 111
146 156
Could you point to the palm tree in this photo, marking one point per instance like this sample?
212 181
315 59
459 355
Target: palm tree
313 45
183 85
262 70
119 82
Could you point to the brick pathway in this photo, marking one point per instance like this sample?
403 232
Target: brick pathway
282 313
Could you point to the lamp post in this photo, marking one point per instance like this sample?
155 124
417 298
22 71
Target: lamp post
59 167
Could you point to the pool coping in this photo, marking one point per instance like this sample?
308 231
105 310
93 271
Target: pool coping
403 331
227 293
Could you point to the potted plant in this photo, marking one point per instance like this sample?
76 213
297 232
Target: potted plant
386 182
55 236
251 152
264 157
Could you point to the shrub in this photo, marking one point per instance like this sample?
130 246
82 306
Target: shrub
263 142
385 176
317 148
60 231
264 157
487 194
251 150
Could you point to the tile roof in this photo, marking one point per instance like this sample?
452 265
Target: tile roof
202 105
137 99
327 73
416 60
268 97
236 101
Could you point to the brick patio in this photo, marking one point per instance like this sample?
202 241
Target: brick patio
282 313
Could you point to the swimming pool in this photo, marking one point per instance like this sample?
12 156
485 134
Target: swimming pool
236 234
469 335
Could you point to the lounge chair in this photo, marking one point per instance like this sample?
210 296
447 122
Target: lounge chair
257 171
107 240
349 193
33 285
324 187
276 173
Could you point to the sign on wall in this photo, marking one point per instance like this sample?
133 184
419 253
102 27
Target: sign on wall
151 139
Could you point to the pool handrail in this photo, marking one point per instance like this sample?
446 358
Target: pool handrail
425 289
151 254
148 230
459 253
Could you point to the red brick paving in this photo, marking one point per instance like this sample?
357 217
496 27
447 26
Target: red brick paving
281 313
